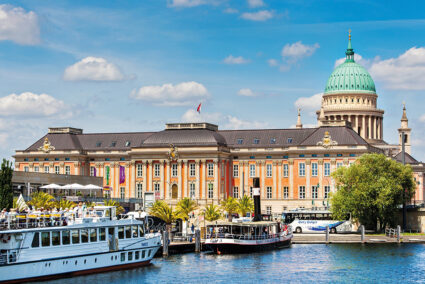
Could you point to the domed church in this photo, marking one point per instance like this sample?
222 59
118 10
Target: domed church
207 164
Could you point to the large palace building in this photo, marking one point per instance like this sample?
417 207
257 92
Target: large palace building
199 161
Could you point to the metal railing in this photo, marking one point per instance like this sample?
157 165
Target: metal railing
391 233
241 237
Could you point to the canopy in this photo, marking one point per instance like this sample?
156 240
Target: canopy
73 186
92 186
51 186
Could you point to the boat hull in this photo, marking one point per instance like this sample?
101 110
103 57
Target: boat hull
231 247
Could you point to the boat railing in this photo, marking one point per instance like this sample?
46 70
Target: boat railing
241 237
8 256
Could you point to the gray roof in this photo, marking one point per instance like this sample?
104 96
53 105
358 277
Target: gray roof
408 158
201 137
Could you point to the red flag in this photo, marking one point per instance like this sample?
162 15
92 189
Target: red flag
199 108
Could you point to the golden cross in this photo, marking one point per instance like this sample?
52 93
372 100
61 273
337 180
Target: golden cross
349 34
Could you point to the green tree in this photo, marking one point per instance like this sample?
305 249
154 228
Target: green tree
211 213
371 190
230 205
110 202
163 211
245 205
42 200
185 206
6 193
65 204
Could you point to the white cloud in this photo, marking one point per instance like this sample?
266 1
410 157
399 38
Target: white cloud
30 104
19 26
357 57
312 103
235 60
191 3
259 16
272 62
222 120
296 51
93 69
255 3
405 72
422 118
246 93
186 93
231 11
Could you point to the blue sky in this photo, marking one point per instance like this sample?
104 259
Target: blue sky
115 66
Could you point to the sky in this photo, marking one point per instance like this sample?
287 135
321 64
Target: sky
124 66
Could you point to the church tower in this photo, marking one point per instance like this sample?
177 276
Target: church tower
406 130
350 95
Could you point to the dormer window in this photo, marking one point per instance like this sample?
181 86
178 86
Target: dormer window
289 140
98 144
239 141
273 141
127 144
113 143
256 141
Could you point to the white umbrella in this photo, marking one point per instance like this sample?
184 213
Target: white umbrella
92 186
73 186
51 186
20 203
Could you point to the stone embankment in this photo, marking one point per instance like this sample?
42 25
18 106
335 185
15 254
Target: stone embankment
353 238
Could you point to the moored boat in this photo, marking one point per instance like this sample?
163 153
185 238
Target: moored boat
46 246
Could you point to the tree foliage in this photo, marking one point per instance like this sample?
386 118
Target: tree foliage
212 212
371 190
185 206
65 204
110 202
163 211
6 192
42 200
230 205
245 205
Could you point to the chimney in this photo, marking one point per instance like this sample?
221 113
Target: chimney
257 202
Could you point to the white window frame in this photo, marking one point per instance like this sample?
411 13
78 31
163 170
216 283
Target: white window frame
92 169
192 169
26 169
285 170
252 170
301 169
192 190
210 190
269 210
235 171
327 190
314 192
314 169
67 170
57 170
235 192
46 169
327 169
301 192
36 169
285 192
269 192
156 170
210 169
339 164
269 170
139 170
156 187
139 190
174 170
122 192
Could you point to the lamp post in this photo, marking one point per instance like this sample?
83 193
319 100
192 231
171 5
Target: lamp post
403 159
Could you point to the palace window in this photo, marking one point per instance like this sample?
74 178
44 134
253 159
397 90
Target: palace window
285 170
36 169
127 144
273 141
46 169
289 140
269 170
301 169
256 141
327 190
250 192
139 190
301 192
314 194
122 192
139 170
98 144
113 143
192 191
235 170
338 165
210 190
156 170
235 192
269 192
210 169
174 170
67 170
92 171
314 169
252 170
285 192
192 169
156 187
239 141
327 169
268 210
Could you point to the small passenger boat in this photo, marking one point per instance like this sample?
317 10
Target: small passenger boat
42 246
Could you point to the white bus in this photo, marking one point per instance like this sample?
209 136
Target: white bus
315 221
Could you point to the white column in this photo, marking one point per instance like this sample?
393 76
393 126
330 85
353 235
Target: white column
373 127
363 127
261 165
179 174
216 174
204 179
274 175
246 169
307 178
133 179
145 175
161 182
321 190
197 195
279 180
150 175
291 178
167 195
370 127
117 178
357 124
240 171
127 180
186 181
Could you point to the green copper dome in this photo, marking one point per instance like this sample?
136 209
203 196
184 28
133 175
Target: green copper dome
350 77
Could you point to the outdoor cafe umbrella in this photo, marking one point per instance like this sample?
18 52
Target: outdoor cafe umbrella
74 186
51 186
91 187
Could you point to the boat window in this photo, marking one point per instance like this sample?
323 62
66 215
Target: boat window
75 237
130 255
36 240
149 253
93 235
137 255
56 238
123 256
102 235
127 232
65 238
121 232
134 231
141 231
143 253
84 236
45 239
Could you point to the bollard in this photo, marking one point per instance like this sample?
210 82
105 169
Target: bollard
165 243
197 240
398 233
362 233
327 234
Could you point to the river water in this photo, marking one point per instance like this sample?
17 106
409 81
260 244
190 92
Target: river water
316 263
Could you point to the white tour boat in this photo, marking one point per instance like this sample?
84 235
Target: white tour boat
45 246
